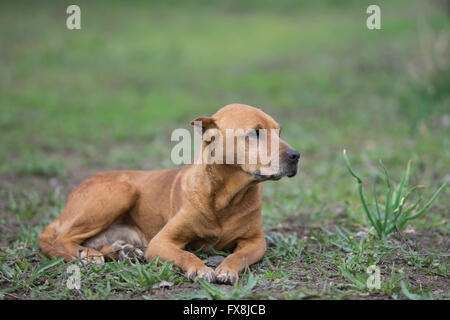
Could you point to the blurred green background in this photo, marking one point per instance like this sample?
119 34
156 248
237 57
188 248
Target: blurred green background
108 96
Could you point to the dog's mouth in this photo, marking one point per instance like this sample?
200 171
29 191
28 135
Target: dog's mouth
263 177
289 171
293 173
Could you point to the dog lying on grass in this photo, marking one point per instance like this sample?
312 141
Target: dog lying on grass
112 214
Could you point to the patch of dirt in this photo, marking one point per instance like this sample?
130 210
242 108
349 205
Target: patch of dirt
168 293
417 241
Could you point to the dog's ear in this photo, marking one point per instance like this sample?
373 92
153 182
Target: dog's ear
206 123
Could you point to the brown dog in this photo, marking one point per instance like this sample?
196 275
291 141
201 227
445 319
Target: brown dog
199 205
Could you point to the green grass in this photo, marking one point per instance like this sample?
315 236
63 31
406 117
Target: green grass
212 292
109 95
394 217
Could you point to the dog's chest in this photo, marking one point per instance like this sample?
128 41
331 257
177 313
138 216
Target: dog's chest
212 243
239 220
232 228
216 243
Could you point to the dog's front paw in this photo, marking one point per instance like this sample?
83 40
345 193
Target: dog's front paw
204 273
226 275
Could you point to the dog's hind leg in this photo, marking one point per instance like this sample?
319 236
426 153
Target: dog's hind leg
92 207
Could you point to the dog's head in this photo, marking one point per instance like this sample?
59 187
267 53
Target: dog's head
247 138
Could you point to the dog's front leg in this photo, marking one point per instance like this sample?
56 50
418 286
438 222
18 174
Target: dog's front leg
168 244
247 252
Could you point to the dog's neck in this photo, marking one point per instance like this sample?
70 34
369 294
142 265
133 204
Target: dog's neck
222 184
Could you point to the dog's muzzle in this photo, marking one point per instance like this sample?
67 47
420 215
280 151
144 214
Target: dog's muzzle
288 167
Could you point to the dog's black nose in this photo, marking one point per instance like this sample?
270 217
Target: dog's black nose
292 155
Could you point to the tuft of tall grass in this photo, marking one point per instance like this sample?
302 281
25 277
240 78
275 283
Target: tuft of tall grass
396 214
